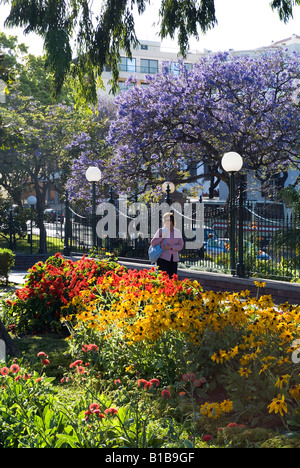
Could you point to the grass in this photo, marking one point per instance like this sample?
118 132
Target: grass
54 244
53 345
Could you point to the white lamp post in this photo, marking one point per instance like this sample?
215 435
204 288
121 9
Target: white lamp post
31 201
168 187
232 162
93 174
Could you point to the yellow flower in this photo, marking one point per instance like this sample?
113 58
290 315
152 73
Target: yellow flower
215 410
265 367
260 284
226 406
286 336
284 379
244 371
295 392
278 405
219 357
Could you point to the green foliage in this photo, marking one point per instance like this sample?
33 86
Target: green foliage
7 261
33 414
98 44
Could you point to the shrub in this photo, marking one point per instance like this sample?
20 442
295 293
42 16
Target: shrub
7 261
51 285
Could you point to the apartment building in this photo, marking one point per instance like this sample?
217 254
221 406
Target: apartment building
147 59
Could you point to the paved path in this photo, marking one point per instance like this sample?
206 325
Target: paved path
17 277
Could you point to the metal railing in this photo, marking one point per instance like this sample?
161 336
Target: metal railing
270 244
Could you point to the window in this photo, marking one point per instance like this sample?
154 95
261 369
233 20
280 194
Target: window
149 66
175 68
271 186
124 86
188 66
127 64
144 47
2 92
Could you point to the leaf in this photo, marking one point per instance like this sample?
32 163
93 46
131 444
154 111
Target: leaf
65 439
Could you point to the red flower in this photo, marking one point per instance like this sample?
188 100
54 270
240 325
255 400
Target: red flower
45 362
4 371
75 363
89 347
81 370
206 438
154 382
42 354
15 368
197 383
87 414
143 383
166 393
94 406
112 411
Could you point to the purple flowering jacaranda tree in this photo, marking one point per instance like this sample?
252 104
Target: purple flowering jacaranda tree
90 148
247 104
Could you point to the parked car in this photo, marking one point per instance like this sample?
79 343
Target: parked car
216 247
52 216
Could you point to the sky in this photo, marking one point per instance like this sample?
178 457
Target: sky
242 25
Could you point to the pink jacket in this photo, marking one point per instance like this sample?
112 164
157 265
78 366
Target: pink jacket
173 238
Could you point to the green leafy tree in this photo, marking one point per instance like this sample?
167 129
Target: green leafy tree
100 37
9 50
289 237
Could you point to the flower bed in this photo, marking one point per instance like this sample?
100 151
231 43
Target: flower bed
146 323
215 359
50 285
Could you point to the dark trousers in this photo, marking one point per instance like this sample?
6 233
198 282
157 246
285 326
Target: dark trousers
169 266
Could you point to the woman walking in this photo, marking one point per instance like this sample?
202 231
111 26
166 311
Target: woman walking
170 239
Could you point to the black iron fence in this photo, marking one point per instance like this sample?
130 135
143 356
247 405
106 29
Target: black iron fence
266 238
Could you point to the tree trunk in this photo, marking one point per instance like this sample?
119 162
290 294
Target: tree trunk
10 346
40 191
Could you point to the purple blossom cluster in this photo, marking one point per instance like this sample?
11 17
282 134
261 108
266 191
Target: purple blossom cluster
225 103
191 118
90 148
